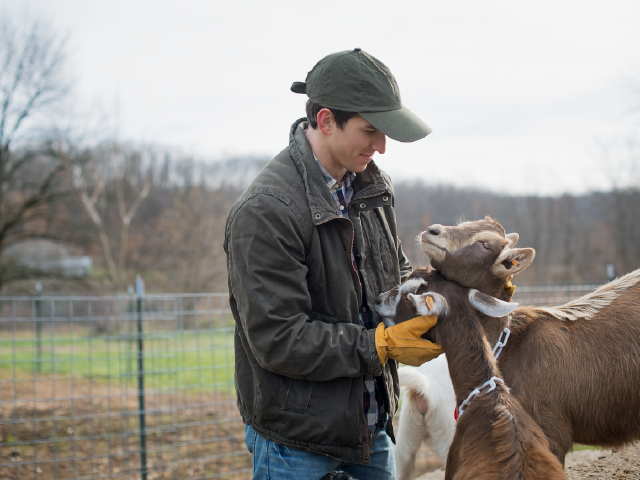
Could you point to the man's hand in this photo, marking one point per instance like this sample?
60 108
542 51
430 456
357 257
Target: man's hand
509 287
402 342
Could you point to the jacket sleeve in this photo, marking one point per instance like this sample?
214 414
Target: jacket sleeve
267 274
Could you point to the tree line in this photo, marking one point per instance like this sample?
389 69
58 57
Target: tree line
575 236
163 216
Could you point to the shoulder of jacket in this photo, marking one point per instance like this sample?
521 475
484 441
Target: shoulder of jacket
281 191
279 178
280 216
387 181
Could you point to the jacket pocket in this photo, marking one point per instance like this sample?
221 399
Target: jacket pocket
298 395
313 316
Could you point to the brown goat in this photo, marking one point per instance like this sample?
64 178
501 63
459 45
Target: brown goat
495 438
574 368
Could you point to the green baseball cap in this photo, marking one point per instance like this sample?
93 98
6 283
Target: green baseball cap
354 81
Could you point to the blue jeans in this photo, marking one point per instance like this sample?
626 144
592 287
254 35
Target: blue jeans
277 462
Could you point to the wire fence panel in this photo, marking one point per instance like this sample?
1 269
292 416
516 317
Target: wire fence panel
551 295
130 387
119 387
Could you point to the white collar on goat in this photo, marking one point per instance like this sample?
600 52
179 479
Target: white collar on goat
500 344
478 392
497 348
490 307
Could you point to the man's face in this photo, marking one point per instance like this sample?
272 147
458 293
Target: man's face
354 145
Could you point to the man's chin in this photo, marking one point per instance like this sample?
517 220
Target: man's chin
362 164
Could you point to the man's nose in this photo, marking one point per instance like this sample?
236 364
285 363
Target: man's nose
380 143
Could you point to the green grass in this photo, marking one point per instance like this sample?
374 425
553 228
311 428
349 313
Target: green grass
577 447
171 359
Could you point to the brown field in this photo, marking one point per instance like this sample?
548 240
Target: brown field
77 429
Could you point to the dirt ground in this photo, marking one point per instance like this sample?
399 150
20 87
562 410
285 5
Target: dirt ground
76 429
623 464
589 464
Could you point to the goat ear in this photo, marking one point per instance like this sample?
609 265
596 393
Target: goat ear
513 239
429 303
489 305
512 261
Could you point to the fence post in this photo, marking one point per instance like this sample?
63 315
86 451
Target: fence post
38 327
143 433
130 337
611 272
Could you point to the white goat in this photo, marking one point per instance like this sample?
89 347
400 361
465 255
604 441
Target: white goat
427 414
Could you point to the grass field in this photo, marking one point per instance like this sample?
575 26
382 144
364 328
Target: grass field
193 359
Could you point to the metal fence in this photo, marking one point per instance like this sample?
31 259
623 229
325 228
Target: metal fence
119 387
129 386
551 295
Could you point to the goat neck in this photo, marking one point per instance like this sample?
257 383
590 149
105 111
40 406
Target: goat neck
471 362
493 287
493 327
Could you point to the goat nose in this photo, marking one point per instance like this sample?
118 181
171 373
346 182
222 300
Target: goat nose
433 230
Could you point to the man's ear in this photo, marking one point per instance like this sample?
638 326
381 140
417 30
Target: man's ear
513 239
512 261
326 122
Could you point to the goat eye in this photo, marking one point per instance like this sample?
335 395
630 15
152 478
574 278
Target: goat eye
485 245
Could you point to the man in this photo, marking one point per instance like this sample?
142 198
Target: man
310 245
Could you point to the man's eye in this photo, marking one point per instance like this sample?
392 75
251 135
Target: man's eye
370 132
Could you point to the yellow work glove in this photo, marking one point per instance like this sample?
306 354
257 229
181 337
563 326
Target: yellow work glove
509 287
402 342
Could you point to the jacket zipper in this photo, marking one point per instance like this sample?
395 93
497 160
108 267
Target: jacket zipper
353 270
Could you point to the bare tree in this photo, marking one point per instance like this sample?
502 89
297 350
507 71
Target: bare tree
89 171
132 187
32 67
188 239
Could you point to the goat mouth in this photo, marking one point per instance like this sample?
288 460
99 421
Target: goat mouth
428 243
433 251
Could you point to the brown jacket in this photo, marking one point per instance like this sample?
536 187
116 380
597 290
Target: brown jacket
300 350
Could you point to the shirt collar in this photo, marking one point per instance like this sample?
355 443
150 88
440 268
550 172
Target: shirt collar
332 183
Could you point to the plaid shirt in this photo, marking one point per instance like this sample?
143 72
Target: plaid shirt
342 193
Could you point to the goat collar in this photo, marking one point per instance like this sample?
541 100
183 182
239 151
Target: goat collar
478 392
497 350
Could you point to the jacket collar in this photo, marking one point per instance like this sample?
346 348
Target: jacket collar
369 183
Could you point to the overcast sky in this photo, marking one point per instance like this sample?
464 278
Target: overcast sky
531 97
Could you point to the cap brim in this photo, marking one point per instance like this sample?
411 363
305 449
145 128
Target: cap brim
401 124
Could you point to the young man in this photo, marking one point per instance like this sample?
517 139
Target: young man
310 246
